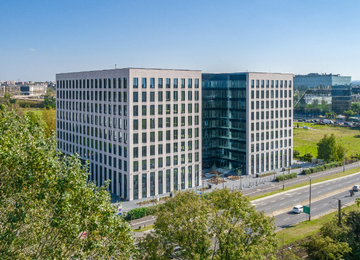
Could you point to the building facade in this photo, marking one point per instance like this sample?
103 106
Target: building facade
320 81
139 128
247 121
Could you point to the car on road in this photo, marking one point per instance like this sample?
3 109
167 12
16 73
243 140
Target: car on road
298 209
356 188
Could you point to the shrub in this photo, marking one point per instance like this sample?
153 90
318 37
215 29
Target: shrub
296 153
287 176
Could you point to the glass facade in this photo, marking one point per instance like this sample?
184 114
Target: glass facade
224 120
341 98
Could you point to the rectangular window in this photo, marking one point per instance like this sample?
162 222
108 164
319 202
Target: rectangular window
143 82
135 83
160 83
175 83
143 96
152 83
167 83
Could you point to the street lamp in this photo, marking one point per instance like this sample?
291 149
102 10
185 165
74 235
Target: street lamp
283 169
310 199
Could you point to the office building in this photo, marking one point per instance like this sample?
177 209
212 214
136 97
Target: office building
320 81
331 88
139 128
247 121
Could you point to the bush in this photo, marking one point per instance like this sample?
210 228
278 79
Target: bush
265 174
287 176
140 213
296 153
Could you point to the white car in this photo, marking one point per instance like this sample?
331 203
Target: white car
356 188
298 209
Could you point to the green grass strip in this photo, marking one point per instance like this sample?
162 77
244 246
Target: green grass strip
144 228
299 185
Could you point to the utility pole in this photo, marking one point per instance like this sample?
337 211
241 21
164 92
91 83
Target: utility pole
339 208
283 178
310 200
344 160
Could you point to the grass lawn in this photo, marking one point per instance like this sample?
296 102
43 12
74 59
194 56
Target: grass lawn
305 139
325 178
308 228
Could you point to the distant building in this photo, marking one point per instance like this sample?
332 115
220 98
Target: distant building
33 90
331 88
320 81
247 121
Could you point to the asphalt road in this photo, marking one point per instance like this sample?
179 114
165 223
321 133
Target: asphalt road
289 218
297 196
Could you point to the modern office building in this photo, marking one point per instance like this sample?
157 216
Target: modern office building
332 87
139 128
247 121
320 81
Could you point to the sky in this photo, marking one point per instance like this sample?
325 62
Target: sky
41 38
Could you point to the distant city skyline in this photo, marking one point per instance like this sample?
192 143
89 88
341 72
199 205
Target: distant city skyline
42 38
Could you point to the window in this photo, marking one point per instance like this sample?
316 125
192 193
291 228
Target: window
143 123
196 83
160 109
152 110
160 83
168 122
160 96
167 83
136 152
160 122
175 83
168 95
135 138
189 83
175 96
143 152
152 83
182 95
175 108
143 138
143 82
160 136
168 109
143 110
135 83
143 96
152 96
182 83
136 124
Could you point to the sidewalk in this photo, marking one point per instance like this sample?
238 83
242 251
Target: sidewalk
250 185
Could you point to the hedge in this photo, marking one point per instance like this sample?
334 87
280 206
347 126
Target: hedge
140 212
287 176
322 168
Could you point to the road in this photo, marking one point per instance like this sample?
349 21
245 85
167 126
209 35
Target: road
319 207
298 196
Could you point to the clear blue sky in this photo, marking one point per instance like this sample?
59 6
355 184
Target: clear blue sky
42 38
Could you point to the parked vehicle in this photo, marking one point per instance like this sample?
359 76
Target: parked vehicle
327 121
348 124
356 188
298 209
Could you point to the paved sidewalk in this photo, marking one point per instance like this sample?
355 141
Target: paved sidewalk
250 184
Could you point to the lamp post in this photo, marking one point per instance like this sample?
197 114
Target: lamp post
310 199
283 169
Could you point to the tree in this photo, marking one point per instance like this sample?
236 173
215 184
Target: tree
329 150
48 210
325 248
49 118
355 107
348 114
337 242
223 226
